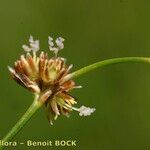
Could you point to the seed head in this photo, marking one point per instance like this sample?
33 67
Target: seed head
45 77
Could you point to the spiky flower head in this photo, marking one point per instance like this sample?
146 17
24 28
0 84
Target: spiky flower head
46 78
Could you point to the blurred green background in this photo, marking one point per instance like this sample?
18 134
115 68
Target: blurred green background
94 30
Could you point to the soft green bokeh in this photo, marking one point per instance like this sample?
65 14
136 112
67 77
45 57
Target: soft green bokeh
94 30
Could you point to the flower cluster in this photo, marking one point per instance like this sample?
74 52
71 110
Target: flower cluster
45 77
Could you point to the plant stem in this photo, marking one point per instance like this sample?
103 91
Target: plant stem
21 123
37 103
106 63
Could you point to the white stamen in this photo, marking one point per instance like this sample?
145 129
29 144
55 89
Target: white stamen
31 40
26 48
83 110
11 70
86 111
54 49
51 122
50 41
33 45
78 87
70 67
56 116
59 42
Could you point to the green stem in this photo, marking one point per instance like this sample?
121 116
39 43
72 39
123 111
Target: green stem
106 63
21 123
37 103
